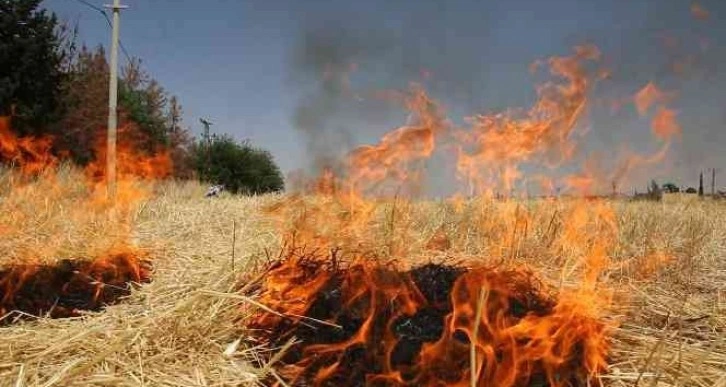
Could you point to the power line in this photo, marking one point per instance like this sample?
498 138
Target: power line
108 20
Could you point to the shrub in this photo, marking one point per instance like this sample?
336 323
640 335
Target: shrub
239 166
670 188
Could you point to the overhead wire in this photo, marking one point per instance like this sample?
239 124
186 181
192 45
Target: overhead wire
110 25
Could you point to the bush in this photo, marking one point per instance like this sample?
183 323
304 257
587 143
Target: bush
239 166
670 188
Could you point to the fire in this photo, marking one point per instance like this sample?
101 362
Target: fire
374 324
362 319
648 96
32 155
496 145
367 314
394 157
71 285
132 164
133 167
665 124
699 12
650 101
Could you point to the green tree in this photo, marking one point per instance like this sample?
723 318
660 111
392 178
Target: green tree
239 166
143 102
148 118
49 87
85 102
180 141
31 55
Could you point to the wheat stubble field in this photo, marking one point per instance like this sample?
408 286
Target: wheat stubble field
356 279
664 277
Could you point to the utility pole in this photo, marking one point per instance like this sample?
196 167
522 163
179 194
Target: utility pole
207 124
713 182
112 100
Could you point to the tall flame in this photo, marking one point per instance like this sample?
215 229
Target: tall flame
483 336
501 142
32 155
394 157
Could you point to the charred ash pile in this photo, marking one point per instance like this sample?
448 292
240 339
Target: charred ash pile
370 324
68 287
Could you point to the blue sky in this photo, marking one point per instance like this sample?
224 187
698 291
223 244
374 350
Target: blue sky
237 62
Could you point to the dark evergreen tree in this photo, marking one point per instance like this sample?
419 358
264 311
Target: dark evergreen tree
50 88
31 55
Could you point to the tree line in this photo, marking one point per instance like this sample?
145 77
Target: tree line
49 86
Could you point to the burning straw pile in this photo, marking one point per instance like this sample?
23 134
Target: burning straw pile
371 324
40 276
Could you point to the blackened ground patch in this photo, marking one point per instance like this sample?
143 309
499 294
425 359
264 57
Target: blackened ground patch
359 328
68 287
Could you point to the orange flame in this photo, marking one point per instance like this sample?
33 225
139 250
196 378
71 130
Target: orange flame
132 166
650 95
665 124
407 333
699 12
32 155
502 142
119 265
131 163
392 158
560 333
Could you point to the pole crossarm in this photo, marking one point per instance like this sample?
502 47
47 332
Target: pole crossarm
115 6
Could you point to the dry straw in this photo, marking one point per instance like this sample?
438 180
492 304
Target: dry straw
186 328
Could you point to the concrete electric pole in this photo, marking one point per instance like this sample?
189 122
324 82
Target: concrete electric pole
112 101
713 183
208 139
